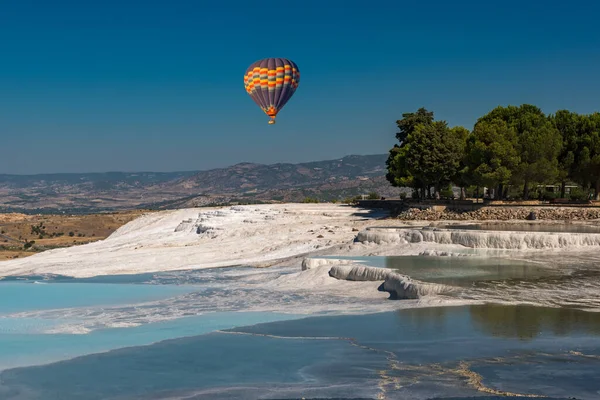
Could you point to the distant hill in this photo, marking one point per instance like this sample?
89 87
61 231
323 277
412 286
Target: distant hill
245 176
245 182
90 181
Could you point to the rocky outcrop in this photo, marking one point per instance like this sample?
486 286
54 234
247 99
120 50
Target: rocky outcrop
311 263
400 287
403 288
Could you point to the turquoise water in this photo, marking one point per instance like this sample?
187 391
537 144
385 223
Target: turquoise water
25 296
188 335
21 349
82 313
416 354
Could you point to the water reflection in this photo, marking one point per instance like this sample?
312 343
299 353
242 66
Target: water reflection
464 271
410 354
521 322
527 322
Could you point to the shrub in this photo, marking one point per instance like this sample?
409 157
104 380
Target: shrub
402 196
548 196
578 195
447 193
351 200
373 196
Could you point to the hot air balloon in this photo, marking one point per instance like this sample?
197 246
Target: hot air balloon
271 82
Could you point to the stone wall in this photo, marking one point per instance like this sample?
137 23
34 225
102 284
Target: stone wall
500 213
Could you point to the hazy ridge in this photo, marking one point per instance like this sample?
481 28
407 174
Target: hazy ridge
244 182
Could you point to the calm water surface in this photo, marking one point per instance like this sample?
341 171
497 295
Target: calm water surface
189 335
419 353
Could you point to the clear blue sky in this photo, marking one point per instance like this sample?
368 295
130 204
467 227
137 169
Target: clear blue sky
158 85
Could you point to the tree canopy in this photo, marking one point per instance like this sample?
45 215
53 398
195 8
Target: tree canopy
509 147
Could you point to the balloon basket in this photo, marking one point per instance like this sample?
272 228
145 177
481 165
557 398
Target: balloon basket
271 122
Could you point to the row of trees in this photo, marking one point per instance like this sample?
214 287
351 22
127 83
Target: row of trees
509 147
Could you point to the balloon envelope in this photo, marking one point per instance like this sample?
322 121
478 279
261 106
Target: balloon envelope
271 82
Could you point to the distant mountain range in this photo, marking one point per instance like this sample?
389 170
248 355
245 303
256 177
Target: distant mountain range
241 183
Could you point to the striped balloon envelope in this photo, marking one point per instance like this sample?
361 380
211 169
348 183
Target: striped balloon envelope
271 82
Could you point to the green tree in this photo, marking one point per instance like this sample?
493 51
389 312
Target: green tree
589 154
568 125
436 152
462 178
492 156
538 142
398 174
539 145
409 122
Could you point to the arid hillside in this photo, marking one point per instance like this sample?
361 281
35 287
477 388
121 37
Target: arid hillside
241 183
23 235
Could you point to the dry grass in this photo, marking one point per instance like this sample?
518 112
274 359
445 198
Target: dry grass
10 254
52 231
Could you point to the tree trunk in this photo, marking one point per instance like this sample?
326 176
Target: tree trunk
499 192
429 192
563 189
505 194
477 195
463 194
526 191
597 190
